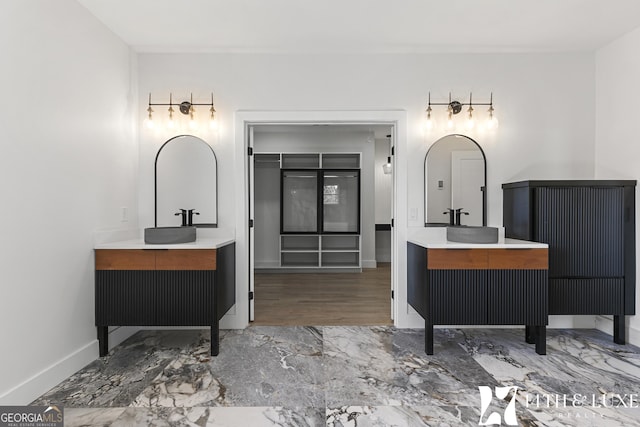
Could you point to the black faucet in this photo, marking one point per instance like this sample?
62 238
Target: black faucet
451 213
459 213
191 214
182 212
187 216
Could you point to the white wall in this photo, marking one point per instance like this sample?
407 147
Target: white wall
69 163
539 136
617 128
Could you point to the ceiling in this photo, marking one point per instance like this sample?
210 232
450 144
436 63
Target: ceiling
368 26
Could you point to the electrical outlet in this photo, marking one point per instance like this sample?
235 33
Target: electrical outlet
124 214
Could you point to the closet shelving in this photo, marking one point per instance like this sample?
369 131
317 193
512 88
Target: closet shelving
329 237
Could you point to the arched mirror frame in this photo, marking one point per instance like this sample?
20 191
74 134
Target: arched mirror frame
483 188
155 181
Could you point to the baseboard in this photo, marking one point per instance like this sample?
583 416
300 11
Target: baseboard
605 324
120 333
369 263
571 322
414 320
45 380
266 264
38 384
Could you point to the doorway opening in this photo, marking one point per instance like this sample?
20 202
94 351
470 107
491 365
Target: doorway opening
321 208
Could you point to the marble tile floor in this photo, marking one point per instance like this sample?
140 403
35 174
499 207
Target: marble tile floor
355 376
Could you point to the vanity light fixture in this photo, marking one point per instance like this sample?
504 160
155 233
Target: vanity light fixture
492 121
429 123
212 119
450 123
387 168
186 107
171 124
454 107
470 123
150 115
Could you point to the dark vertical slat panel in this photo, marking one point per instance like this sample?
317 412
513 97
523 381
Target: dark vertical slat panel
458 297
125 298
630 250
417 290
586 296
186 298
583 227
518 297
516 213
150 298
225 279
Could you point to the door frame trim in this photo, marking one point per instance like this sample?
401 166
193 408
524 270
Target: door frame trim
403 317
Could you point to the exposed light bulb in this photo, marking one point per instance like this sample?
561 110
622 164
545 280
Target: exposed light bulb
387 167
451 124
149 121
492 121
470 122
213 123
171 124
192 122
429 123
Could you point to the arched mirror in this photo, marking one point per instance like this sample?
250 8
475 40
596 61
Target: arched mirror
186 177
455 177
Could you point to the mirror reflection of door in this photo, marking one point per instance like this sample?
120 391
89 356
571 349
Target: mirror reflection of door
467 175
186 178
455 178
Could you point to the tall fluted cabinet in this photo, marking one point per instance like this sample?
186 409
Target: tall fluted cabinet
590 229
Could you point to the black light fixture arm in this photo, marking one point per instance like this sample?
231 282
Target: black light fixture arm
456 106
184 107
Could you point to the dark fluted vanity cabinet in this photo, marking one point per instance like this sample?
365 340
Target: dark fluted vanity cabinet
590 229
163 287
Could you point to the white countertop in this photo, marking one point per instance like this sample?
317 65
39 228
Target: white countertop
436 238
200 243
205 239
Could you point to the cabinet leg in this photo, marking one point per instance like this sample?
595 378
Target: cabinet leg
618 329
428 338
541 339
215 339
103 340
530 334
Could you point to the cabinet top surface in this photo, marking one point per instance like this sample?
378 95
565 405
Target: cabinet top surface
506 244
571 183
435 238
200 243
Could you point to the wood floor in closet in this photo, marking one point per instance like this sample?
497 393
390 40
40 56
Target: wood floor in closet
317 299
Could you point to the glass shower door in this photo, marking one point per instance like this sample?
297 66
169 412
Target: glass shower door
341 201
299 200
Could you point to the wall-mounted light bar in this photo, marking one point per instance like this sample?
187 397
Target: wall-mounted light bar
185 107
454 107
